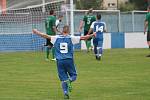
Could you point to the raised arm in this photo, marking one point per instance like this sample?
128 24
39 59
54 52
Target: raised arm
145 25
81 26
87 36
35 31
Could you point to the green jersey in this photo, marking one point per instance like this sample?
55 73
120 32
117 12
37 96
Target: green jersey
88 19
49 24
148 19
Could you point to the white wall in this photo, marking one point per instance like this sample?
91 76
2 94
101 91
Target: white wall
135 40
107 41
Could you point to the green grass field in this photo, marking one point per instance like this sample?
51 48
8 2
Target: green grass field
123 74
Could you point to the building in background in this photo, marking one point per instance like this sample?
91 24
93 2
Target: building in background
113 4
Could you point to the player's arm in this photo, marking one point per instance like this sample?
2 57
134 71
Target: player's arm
145 26
35 31
81 25
105 29
87 36
57 25
90 31
91 28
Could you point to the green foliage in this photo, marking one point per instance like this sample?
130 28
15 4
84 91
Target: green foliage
140 4
123 74
86 4
127 7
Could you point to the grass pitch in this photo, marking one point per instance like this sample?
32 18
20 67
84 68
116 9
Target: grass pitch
123 74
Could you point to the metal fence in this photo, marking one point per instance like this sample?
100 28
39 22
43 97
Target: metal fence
116 21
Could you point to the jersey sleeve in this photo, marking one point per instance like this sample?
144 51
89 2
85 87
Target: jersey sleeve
84 18
92 25
147 16
57 23
105 28
94 18
75 39
53 39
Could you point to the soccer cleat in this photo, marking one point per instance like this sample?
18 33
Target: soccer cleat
69 85
53 59
66 96
98 58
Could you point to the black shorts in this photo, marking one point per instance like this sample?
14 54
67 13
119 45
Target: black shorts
148 35
48 43
85 33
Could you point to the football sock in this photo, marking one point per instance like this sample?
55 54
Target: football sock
47 52
95 50
88 44
65 87
53 53
101 51
98 51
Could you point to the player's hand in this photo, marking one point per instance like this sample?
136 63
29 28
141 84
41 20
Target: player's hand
94 34
79 30
34 30
144 31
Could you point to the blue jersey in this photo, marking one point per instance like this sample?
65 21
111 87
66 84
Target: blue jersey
64 46
98 27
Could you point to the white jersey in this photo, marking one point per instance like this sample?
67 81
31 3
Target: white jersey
57 23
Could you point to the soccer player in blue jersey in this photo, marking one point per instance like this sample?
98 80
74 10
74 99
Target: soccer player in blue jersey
98 27
63 45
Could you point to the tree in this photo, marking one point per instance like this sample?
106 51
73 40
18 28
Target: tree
140 4
86 4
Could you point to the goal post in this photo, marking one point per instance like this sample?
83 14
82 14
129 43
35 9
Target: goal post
17 24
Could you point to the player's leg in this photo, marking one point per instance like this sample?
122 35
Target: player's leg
95 43
53 54
86 41
99 49
148 38
71 69
48 47
63 76
88 44
148 41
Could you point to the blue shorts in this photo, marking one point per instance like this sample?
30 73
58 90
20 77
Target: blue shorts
66 69
98 42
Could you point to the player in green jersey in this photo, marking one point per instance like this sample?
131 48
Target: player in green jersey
50 27
87 21
147 24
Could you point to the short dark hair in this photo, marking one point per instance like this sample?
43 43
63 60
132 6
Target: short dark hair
98 16
90 11
51 12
